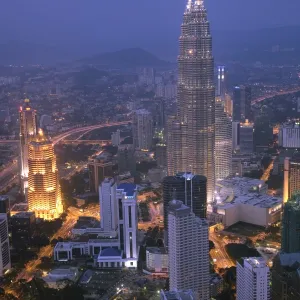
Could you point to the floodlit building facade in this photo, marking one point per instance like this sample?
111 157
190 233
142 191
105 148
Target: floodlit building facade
191 134
28 130
5 263
291 182
44 194
188 251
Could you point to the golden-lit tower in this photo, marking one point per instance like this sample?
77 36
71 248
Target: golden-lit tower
28 130
44 195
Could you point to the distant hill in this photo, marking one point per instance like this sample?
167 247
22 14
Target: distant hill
129 58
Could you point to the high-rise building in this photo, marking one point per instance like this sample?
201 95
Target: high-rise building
128 222
221 87
188 251
4 205
108 205
263 132
289 136
228 105
4 245
285 277
246 137
235 136
177 295
188 188
142 127
290 236
291 183
22 227
100 167
161 154
253 279
223 142
126 159
242 104
116 138
191 135
44 195
28 129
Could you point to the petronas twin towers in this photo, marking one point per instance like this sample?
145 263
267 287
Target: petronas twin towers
191 134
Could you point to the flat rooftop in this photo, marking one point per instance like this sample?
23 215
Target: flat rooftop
255 262
23 214
179 295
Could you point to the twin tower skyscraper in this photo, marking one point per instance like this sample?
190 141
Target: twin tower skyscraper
191 133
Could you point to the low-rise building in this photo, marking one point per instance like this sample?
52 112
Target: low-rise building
156 260
56 277
216 285
245 200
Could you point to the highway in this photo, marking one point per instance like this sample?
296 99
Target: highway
295 90
9 175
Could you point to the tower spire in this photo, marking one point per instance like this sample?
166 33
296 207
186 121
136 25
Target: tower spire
189 4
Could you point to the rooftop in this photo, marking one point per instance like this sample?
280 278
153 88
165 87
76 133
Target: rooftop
4 197
111 252
128 188
288 259
156 250
255 262
23 214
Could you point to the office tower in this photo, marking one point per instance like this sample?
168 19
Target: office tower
285 277
116 138
126 159
290 236
242 104
246 137
188 250
22 227
291 183
188 188
235 136
158 114
142 128
191 144
4 205
28 129
44 195
160 154
223 142
263 132
228 105
108 205
253 279
99 167
128 222
4 245
221 86
289 135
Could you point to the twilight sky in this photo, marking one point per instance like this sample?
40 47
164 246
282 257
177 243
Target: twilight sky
130 22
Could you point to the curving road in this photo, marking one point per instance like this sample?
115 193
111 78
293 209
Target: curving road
9 175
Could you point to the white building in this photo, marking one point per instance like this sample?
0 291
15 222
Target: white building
108 205
157 260
142 129
242 199
289 136
188 250
253 279
116 138
111 251
128 222
223 142
178 295
4 245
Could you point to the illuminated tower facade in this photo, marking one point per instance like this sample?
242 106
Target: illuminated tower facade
195 126
44 195
221 89
28 130
223 142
